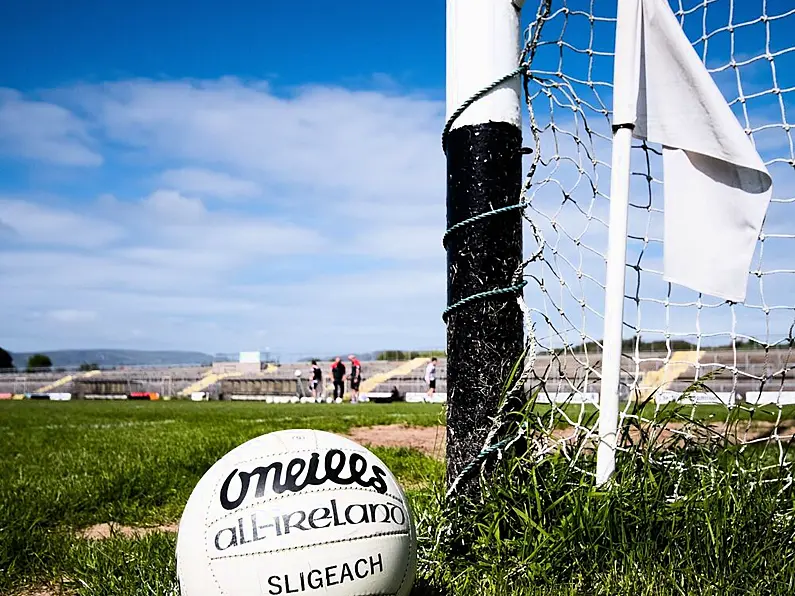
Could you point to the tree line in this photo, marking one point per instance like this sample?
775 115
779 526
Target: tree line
408 355
37 362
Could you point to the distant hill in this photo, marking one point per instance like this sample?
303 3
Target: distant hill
106 358
363 356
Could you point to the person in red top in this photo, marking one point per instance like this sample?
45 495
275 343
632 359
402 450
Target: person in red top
355 377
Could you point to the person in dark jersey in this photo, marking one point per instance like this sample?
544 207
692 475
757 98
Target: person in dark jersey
338 376
316 384
355 377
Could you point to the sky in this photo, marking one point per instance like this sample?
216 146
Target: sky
269 175
179 176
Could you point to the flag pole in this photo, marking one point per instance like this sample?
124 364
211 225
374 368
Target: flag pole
626 77
614 305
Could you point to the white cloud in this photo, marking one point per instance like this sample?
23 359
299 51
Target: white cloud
337 245
209 183
174 207
38 225
43 131
359 143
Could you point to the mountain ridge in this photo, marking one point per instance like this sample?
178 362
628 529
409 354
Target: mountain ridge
116 357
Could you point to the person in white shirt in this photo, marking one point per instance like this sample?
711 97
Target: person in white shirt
430 377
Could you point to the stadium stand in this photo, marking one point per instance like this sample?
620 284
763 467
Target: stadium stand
412 380
372 383
660 372
68 379
206 383
660 379
740 372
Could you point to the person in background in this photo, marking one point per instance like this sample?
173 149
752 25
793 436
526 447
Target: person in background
430 377
316 384
355 378
338 375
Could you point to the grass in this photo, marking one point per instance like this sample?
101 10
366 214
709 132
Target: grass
688 513
70 465
721 524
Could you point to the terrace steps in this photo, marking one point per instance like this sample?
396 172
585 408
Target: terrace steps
661 378
403 369
66 380
206 381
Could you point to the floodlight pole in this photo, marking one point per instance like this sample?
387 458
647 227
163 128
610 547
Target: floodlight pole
484 173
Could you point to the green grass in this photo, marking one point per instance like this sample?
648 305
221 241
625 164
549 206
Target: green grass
686 514
70 465
540 525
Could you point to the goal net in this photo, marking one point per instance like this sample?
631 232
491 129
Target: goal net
680 347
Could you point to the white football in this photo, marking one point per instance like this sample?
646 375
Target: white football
297 512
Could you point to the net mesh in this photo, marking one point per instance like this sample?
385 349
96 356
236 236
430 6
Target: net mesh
679 345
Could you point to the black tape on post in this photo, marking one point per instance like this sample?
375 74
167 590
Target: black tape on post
484 173
485 335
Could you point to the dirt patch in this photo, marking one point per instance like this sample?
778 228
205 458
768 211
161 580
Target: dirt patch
677 433
51 589
103 531
428 439
40 591
431 440
742 432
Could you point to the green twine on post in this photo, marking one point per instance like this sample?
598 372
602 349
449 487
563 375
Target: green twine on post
471 220
449 124
482 296
447 127
480 458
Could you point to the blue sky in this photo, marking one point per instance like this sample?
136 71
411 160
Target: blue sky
289 43
180 175
269 174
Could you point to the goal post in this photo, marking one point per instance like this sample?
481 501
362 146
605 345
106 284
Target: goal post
608 328
482 142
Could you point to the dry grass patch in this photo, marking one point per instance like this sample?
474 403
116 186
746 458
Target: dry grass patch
109 530
430 440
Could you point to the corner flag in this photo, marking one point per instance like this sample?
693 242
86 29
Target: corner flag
716 187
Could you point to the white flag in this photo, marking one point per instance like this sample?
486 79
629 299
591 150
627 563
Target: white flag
716 187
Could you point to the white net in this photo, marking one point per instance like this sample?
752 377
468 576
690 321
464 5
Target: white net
674 337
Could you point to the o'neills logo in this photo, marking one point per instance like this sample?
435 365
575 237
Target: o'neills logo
339 469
